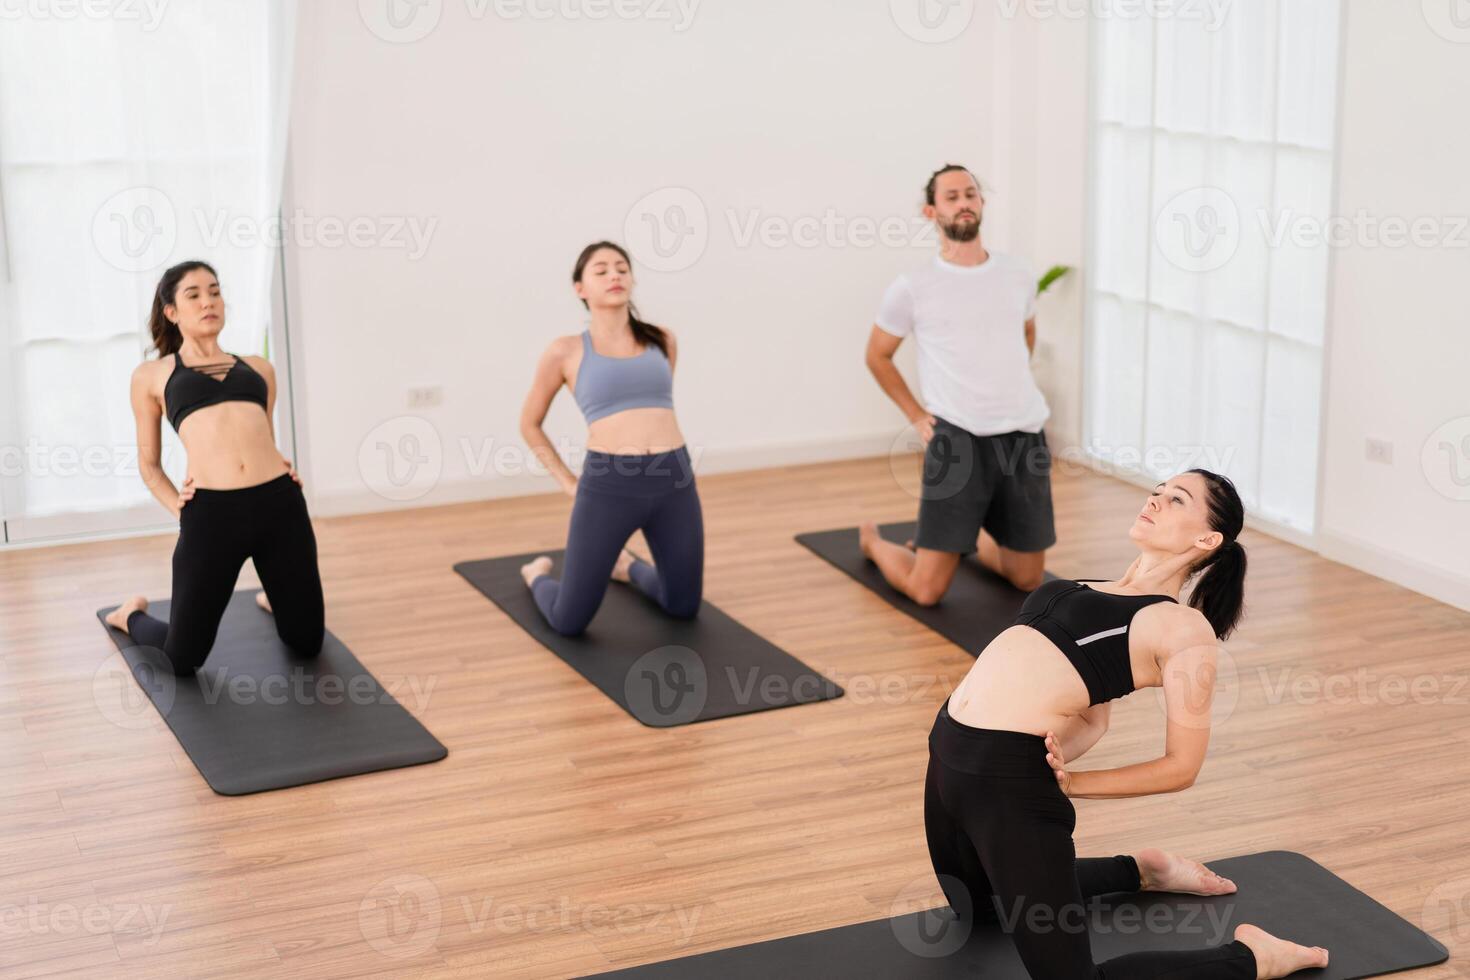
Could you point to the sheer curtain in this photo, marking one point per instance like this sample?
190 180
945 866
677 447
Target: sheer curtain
128 142
1212 171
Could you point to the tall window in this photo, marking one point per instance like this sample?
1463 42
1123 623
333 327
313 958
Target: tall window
1213 148
132 136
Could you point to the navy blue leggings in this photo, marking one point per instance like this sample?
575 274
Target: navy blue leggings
616 496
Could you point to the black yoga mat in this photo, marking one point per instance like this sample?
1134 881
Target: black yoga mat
663 671
255 718
977 608
1284 893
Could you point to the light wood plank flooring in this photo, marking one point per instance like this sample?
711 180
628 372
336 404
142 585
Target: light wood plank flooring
562 838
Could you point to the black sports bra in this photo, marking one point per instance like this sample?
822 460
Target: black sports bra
189 389
1091 629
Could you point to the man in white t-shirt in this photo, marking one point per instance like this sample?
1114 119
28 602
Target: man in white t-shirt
987 469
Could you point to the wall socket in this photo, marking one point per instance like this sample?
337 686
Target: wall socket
1380 451
429 397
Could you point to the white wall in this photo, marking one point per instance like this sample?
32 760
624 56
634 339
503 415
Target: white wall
525 139
1399 355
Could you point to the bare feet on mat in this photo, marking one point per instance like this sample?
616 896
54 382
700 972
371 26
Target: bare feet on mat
1277 957
620 568
118 618
534 569
263 602
867 537
1161 872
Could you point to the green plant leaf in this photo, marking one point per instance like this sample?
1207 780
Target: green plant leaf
1052 275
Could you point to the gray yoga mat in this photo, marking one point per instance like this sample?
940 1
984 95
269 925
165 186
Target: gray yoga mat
662 671
977 608
1284 893
255 718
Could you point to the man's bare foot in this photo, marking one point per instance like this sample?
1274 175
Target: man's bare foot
263 602
535 568
621 566
118 618
1160 872
1277 957
867 537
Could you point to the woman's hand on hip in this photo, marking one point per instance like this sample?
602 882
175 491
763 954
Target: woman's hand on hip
186 494
1058 763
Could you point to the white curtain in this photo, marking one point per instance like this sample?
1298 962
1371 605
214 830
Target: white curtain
1205 325
128 142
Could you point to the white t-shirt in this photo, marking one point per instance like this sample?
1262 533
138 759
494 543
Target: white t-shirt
970 326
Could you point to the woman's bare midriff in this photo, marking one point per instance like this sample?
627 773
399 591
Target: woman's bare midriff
1020 683
231 446
635 432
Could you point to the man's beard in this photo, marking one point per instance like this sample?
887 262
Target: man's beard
962 231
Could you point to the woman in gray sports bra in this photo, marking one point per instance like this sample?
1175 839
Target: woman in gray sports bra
637 476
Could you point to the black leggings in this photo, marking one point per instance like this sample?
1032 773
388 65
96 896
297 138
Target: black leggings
1000 837
218 530
616 496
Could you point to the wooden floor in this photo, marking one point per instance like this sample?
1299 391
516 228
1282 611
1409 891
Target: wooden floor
560 837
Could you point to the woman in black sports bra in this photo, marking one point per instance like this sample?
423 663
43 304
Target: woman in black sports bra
241 498
996 799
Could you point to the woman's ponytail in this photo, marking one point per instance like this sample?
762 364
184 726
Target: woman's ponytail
1220 591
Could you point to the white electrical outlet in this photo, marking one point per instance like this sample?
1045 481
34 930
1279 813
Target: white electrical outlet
428 397
1380 451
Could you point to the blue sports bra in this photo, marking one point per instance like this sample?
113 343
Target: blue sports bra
606 385
1091 629
188 389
